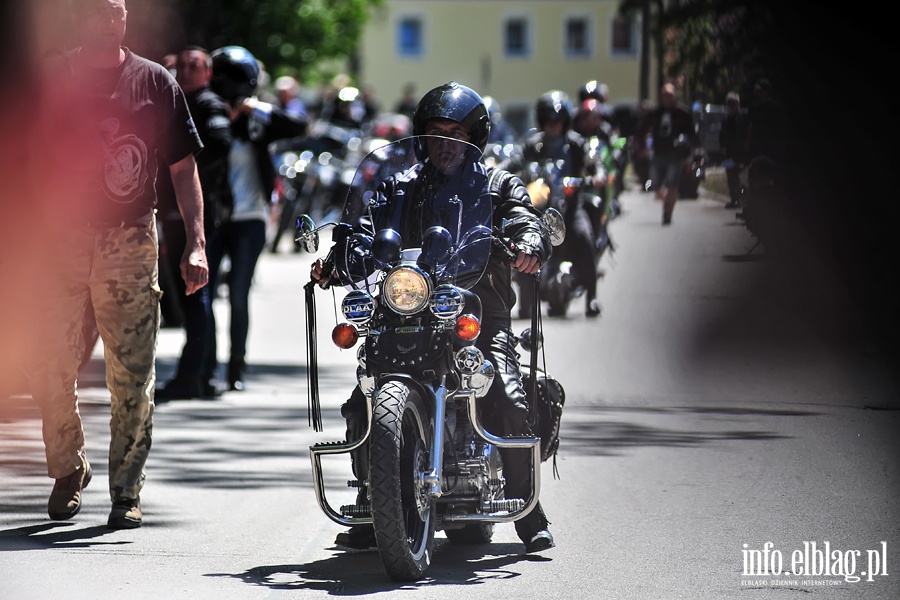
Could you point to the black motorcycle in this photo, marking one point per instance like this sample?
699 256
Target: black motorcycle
558 280
432 466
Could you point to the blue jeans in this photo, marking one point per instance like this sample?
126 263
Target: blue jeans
242 242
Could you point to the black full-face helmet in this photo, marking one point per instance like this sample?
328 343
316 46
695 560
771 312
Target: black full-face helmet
593 89
235 73
554 105
455 102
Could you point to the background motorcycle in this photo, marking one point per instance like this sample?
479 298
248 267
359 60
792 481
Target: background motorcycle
309 172
558 280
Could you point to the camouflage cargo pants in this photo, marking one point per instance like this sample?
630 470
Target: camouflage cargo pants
117 270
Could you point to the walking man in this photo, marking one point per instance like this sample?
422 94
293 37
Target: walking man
116 118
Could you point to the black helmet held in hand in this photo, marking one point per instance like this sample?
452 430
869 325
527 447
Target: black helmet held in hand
554 106
455 102
235 73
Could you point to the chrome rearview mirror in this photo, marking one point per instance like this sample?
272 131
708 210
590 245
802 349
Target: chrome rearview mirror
552 223
555 224
307 234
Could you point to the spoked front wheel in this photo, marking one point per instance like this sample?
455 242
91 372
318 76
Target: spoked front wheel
402 509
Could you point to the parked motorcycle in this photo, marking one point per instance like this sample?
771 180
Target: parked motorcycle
432 466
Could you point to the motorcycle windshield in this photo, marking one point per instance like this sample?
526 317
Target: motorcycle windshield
420 200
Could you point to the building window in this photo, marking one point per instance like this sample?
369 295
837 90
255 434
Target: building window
516 34
624 36
409 37
577 36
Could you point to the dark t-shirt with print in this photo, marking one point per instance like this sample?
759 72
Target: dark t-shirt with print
118 125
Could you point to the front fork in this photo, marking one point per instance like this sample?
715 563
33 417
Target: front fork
509 510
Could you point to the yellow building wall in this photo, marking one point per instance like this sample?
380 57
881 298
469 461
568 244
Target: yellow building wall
463 41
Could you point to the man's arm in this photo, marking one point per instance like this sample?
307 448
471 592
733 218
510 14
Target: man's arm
194 268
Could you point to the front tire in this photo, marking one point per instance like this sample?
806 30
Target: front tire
403 512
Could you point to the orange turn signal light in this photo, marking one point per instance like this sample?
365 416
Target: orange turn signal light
468 327
344 335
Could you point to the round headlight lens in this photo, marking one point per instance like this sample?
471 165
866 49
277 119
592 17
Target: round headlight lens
406 290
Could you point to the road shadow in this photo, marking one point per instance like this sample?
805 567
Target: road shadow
361 573
192 450
45 536
600 430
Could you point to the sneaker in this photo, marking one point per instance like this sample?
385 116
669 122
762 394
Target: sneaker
542 540
126 514
593 309
358 537
65 499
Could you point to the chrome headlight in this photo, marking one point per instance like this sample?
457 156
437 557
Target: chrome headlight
358 306
406 290
446 302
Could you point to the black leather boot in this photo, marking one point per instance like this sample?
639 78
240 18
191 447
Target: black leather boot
236 370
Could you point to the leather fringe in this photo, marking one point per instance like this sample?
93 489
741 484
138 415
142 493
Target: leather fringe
312 399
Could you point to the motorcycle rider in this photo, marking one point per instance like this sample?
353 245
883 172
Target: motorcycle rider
600 197
501 131
455 111
556 140
594 90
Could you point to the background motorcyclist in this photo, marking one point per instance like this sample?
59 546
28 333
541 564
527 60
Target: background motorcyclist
600 194
456 111
501 131
599 92
556 141
346 109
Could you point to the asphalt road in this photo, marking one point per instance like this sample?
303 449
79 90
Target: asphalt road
719 404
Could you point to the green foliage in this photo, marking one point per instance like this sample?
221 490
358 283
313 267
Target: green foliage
711 46
300 37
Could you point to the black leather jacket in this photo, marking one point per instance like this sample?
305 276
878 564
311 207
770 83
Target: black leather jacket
509 200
